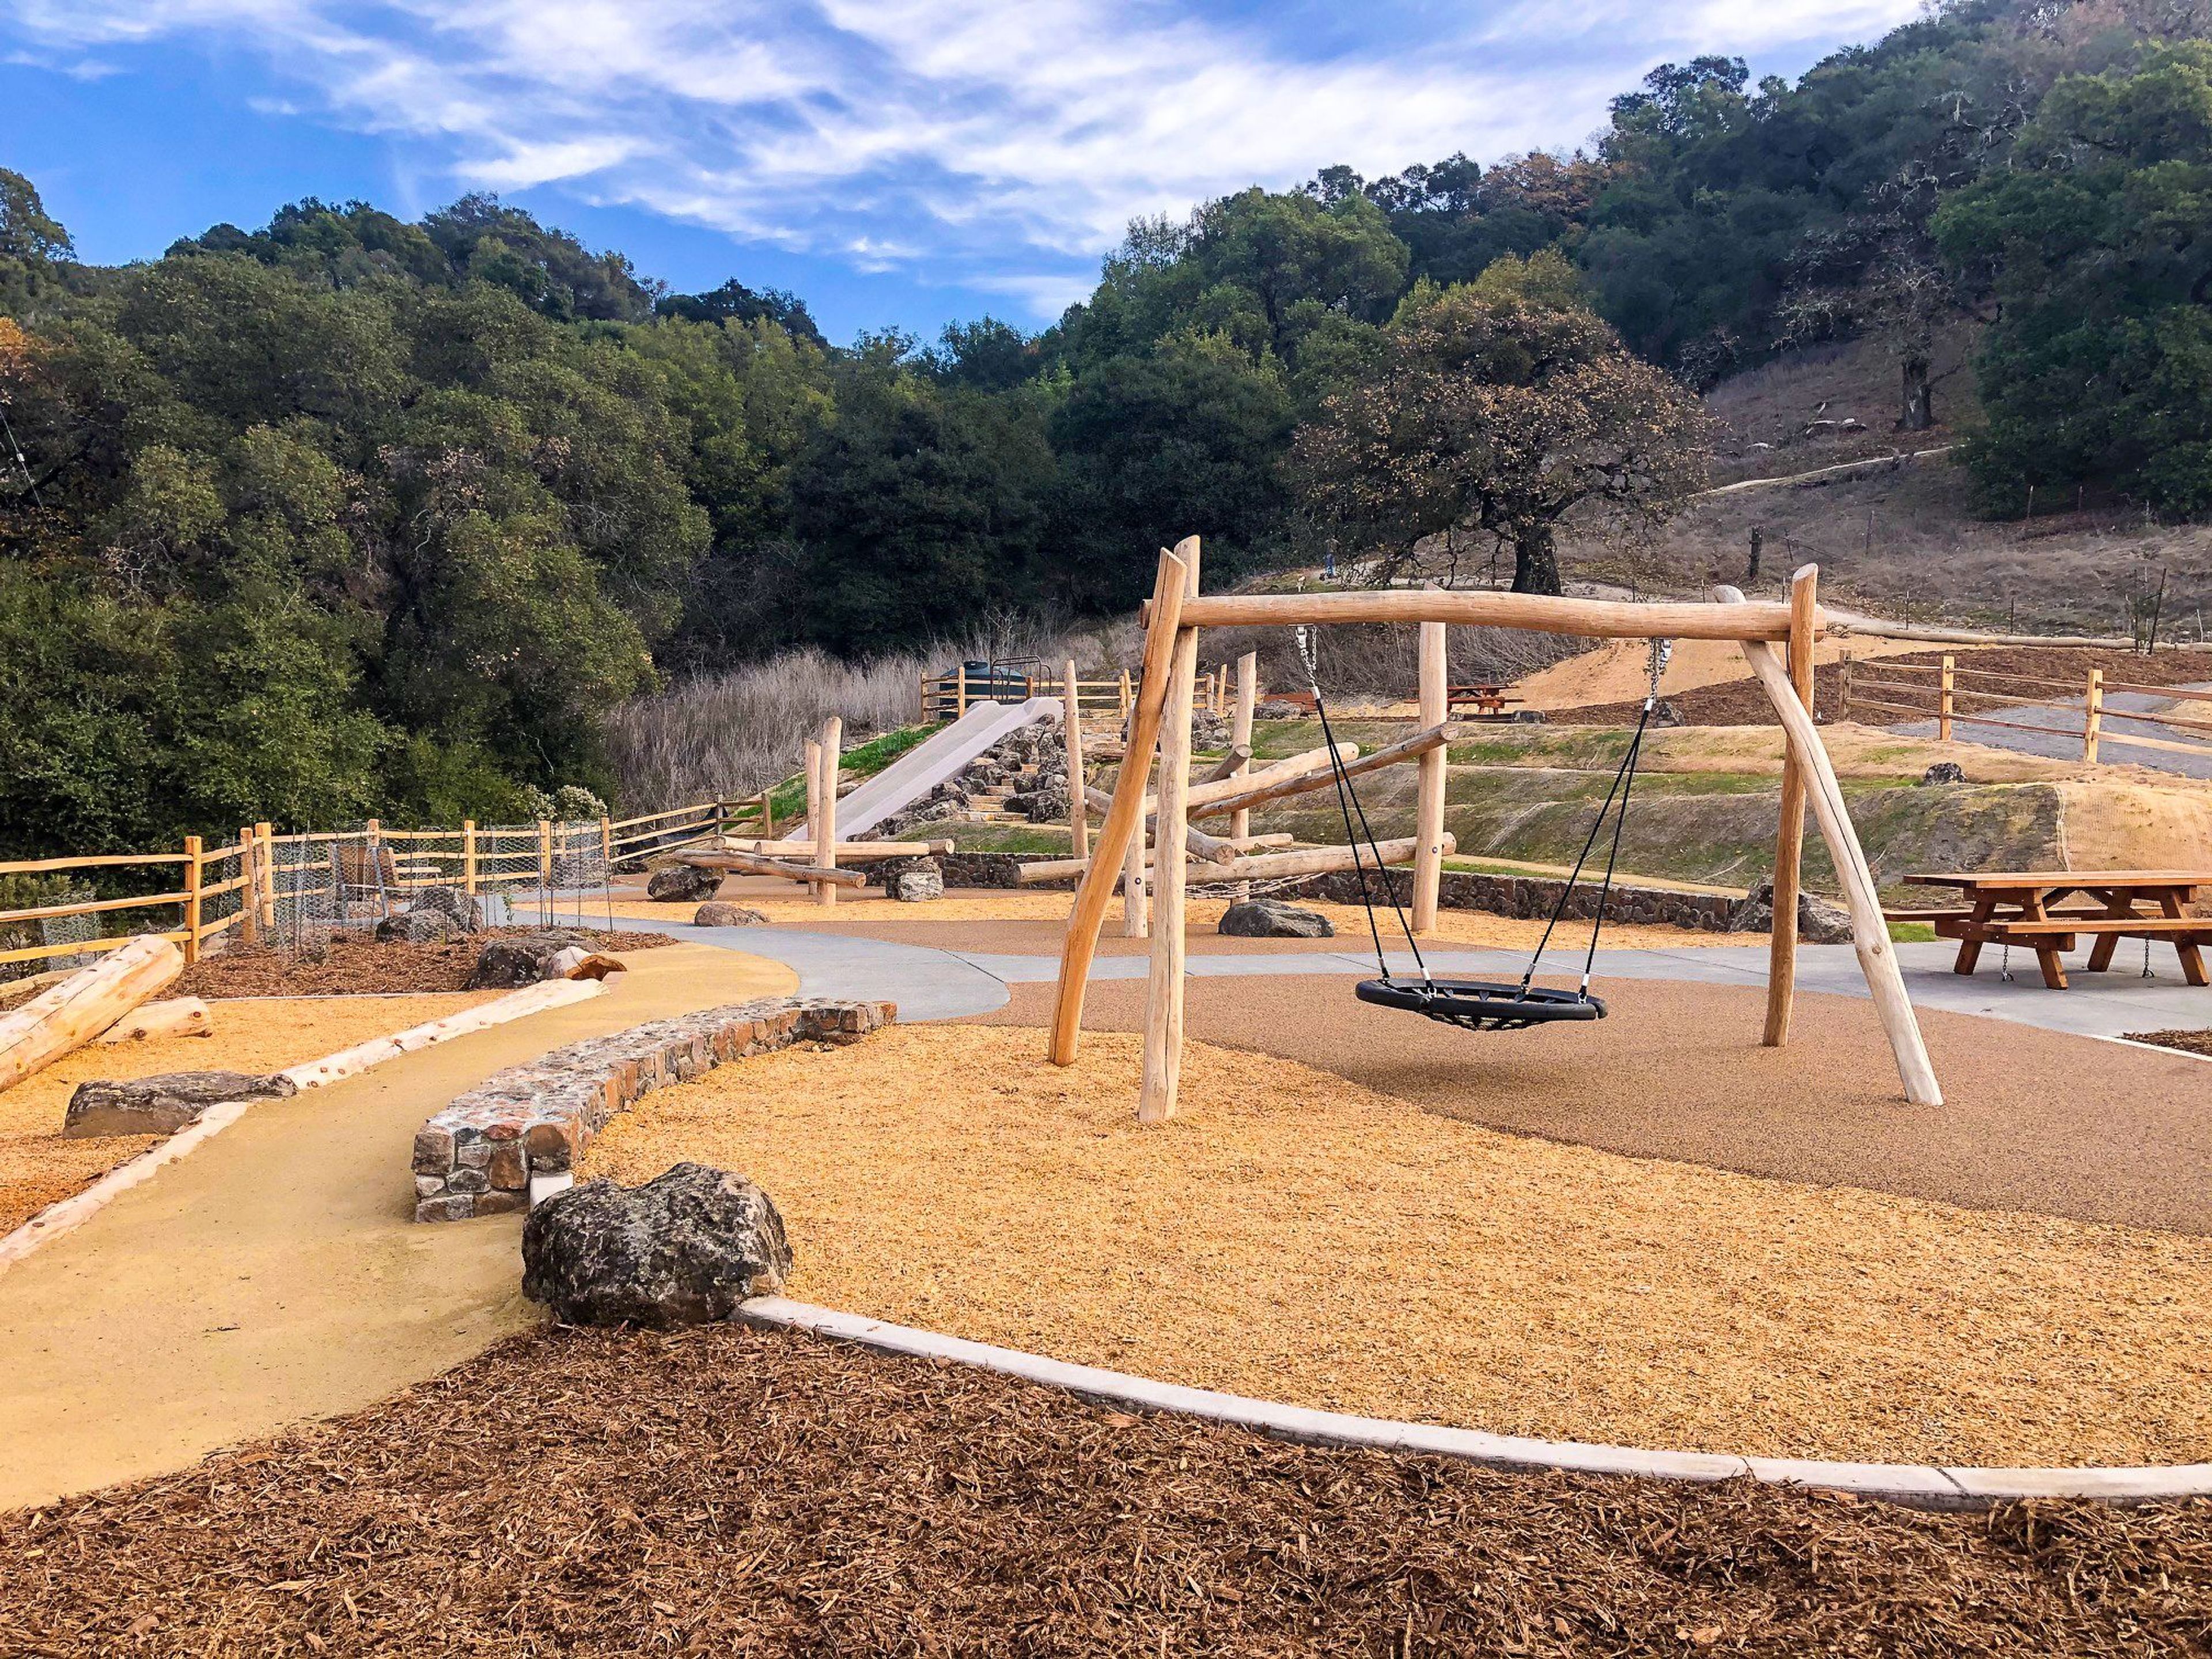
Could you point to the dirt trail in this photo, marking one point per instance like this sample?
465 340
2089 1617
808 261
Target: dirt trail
1616 671
277 1273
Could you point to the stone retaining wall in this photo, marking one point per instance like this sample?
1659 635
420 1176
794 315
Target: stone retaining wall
1459 889
478 1156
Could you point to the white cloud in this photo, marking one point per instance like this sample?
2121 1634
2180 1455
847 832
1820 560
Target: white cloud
955 137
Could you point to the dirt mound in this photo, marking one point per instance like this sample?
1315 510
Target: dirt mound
353 965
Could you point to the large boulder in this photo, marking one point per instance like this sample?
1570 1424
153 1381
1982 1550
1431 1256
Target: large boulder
419 927
919 881
1818 921
162 1105
1266 918
682 883
513 960
719 915
684 1248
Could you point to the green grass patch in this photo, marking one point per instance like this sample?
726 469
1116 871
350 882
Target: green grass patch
1912 933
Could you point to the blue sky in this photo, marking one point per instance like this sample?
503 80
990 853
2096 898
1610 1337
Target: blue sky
902 163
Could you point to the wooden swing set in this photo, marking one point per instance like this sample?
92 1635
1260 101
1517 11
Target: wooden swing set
1161 720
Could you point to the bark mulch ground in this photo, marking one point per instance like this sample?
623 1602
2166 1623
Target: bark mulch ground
2193 1042
1741 702
357 965
731 1491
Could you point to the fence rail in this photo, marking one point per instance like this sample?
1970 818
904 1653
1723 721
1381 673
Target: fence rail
262 884
1879 683
943 697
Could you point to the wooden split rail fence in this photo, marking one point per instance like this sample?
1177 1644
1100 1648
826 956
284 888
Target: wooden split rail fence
1109 698
242 886
1954 695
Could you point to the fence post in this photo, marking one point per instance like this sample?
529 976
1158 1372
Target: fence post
960 693
1943 699
1843 692
248 889
264 892
922 699
192 900
545 855
768 816
469 856
607 842
2092 718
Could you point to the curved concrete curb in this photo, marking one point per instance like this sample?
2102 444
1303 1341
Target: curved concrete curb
1919 1486
927 983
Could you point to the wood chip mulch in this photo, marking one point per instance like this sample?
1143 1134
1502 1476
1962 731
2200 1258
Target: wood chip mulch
731 1491
2192 1043
357 965
1741 702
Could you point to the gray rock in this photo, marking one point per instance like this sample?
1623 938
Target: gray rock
719 915
453 902
682 883
1818 921
684 1248
919 881
1047 805
162 1105
419 927
1944 771
514 960
1208 730
1266 918
1529 717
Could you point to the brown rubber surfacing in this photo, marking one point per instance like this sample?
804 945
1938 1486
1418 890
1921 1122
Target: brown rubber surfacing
2031 1119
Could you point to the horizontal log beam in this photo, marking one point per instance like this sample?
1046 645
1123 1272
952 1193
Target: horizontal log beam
1405 749
1316 860
1536 612
858 851
758 864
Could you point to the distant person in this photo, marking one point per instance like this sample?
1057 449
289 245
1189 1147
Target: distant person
1328 565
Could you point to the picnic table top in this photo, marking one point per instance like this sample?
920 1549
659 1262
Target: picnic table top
2008 880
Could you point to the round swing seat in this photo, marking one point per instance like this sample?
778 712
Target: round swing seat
1475 1005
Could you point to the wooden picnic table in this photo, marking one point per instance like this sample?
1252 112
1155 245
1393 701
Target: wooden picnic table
1485 700
2031 907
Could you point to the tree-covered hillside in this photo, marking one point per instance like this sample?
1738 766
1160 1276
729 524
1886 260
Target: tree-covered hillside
348 515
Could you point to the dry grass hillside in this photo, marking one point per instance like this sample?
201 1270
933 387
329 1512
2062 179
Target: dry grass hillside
1903 540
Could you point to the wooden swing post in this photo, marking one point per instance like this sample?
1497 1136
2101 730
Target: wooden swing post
1790 837
1870 930
825 826
1429 791
1162 1075
1123 820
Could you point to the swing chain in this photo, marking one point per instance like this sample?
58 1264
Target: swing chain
1655 665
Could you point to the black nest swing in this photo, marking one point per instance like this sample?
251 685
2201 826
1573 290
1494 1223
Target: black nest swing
1475 1005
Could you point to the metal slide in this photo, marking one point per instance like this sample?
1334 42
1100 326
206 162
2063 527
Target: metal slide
921 769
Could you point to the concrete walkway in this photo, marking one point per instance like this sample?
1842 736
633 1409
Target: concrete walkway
278 1273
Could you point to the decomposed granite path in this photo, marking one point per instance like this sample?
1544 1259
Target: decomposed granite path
277 1273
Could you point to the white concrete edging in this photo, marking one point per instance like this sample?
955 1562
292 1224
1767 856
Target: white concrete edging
1919 1485
66 1215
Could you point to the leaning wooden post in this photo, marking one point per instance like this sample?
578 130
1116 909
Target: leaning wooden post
1079 810
1429 812
192 900
1240 736
1163 1074
1869 932
2092 716
825 823
1789 836
1124 819
1945 686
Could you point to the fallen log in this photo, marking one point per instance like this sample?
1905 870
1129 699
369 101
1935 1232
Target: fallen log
759 864
179 1016
1315 860
1266 786
83 1006
858 851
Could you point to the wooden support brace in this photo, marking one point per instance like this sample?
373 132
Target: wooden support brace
1870 930
1789 834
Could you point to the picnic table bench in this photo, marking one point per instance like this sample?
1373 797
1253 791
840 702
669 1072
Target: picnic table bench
1486 701
2030 908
